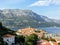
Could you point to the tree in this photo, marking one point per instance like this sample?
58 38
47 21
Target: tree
31 40
1 41
0 25
20 39
58 43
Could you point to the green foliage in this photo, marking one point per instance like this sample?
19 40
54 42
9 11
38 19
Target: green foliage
28 40
4 30
49 39
31 40
58 43
53 40
20 39
46 39
1 41
38 31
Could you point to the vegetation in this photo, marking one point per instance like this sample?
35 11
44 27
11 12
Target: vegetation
38 31
20 39
49 39
58 43
28 40
31 40
4 30
1 41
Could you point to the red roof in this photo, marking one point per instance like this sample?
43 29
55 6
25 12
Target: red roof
55 43
8 35
45 42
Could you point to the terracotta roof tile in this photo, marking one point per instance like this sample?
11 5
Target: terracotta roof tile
55 43
44 42
8 35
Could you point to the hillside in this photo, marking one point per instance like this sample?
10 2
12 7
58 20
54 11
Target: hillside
16 19
4 30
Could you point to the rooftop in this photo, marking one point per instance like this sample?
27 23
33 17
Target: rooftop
7 35
45 42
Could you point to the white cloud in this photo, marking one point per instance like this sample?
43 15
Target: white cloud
56 2
46 2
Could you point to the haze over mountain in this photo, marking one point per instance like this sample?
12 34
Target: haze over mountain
16 18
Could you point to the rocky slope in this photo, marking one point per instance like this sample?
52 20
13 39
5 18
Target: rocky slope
16 18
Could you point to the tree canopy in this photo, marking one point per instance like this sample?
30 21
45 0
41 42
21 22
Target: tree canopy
31 40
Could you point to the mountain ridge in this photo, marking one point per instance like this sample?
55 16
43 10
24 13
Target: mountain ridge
13 18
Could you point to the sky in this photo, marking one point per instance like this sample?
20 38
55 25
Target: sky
49 8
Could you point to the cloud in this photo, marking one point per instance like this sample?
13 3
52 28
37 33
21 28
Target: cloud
56 2
46 3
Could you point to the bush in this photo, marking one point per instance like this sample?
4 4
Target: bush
32 39
58 43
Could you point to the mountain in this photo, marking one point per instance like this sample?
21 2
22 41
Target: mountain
16 19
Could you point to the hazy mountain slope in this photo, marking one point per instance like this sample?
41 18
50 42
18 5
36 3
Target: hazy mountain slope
16 18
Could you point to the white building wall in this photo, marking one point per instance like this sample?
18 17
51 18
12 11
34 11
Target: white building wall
9 39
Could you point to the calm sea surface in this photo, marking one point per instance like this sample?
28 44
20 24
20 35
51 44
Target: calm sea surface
52 29
48 29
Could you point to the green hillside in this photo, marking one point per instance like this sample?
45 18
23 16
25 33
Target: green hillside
4 30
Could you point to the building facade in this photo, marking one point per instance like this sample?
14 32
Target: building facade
9 39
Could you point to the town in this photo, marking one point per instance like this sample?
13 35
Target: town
28 36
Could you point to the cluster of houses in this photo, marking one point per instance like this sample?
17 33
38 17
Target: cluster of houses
10 39
54 36
28 31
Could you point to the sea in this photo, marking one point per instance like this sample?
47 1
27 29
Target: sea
53 30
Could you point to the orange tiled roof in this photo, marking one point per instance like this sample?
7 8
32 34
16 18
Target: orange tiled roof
45 42
55 43
28 31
